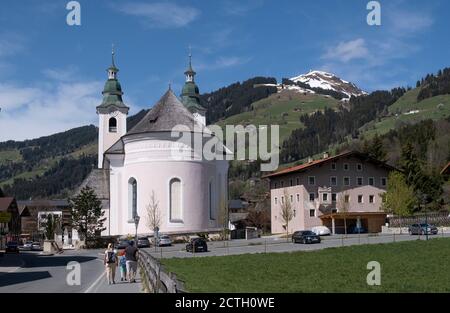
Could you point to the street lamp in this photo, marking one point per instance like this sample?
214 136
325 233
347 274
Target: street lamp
136 223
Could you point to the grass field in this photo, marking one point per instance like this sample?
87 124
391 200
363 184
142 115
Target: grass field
415 266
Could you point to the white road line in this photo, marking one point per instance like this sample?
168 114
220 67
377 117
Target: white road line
95 283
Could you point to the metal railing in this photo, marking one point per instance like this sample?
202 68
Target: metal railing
155 278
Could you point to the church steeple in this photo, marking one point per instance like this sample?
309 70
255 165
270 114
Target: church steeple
112 92
190 95
112 70
112 113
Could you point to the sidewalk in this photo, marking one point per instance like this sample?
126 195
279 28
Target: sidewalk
10 263
101 284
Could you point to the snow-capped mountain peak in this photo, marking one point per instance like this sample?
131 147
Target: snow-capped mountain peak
328 81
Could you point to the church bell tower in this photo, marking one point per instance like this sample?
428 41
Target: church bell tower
190 95
112 113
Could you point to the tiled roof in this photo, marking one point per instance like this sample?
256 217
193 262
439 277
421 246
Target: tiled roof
306 166
5 203
165 115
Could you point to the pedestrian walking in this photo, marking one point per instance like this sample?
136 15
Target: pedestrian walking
131 261
123 266
110 262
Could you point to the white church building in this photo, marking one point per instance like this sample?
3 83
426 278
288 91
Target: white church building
134 163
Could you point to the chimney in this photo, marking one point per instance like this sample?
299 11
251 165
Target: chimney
310 159
326 155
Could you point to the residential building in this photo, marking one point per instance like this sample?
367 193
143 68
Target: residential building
327 191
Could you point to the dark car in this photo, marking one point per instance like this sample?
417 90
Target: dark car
358 230
12 247
422 229
123 244
305 236
143 242
197 245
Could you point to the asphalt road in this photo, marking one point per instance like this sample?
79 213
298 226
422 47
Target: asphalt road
29 272
269 245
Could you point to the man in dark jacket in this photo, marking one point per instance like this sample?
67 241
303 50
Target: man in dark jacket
131 261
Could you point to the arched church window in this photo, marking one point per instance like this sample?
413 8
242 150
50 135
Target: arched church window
112 125
176 214
132 199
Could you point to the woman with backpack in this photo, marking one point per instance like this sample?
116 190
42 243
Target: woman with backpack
110 261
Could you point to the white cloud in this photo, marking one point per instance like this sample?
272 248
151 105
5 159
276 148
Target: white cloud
223 62
241 8
31 112
65 74
10 44
347 50
162 14
407 23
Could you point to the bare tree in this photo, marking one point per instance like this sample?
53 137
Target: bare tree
343 206
287 214
154 216
223 218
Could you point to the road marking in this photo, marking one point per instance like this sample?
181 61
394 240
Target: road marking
95 282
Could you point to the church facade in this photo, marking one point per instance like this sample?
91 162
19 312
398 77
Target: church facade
190 191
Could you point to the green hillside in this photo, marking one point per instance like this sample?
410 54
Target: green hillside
404 111
282 109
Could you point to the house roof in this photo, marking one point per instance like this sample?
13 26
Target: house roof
5 203
23 211
236 217
43 203
168 113
309 165
446 170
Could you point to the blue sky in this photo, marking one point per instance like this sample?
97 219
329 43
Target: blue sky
52 74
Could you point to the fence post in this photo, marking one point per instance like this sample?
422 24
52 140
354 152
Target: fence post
265 246
342 240
394 236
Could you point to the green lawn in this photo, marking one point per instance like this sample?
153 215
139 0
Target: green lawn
415 266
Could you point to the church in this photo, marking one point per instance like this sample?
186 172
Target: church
191 192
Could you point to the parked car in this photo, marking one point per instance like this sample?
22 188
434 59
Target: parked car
164 241
305 236
36 246
123 244
358 230
28 246
422 229
12 247
143 242
197 245
321 231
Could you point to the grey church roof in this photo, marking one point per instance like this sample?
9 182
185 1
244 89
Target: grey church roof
165 115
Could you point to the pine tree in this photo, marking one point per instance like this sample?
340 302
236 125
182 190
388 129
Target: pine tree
87 214
376 150
411 166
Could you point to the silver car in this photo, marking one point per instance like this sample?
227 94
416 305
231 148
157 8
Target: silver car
28 246
164 241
